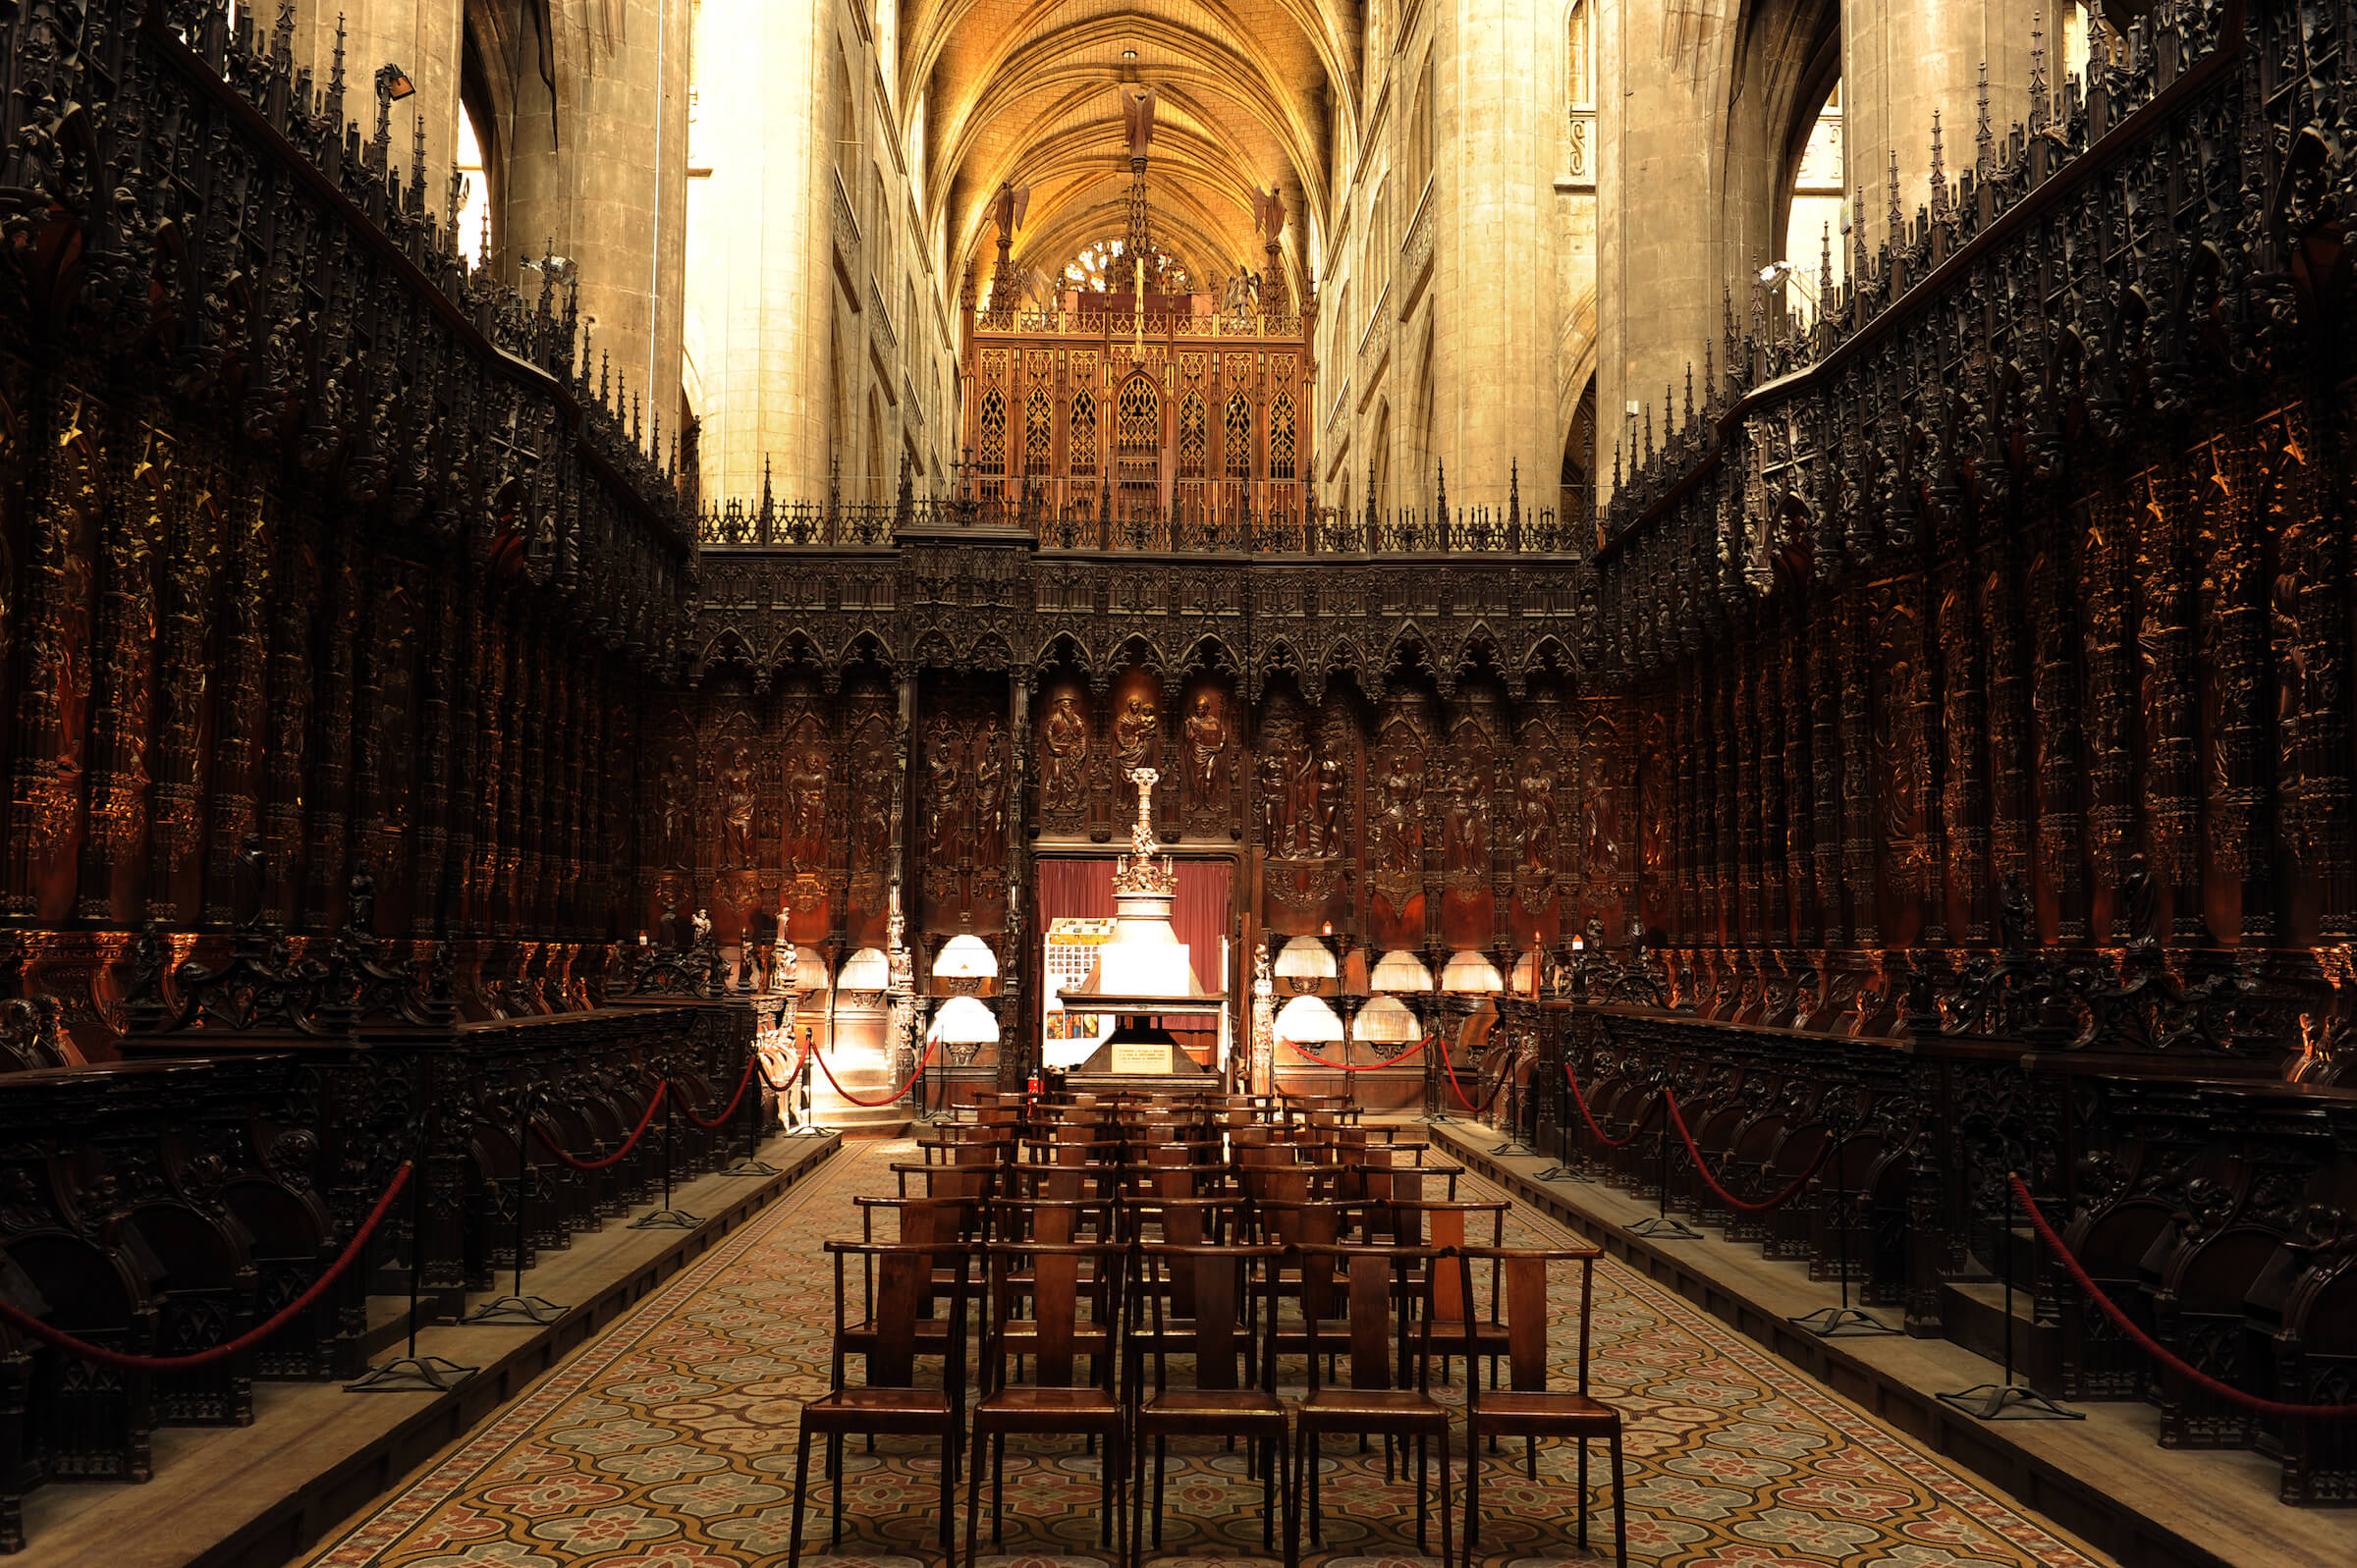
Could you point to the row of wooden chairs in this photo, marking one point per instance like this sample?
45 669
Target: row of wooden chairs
1162 1268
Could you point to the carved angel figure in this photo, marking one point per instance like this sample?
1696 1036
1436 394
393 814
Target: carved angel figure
1137 118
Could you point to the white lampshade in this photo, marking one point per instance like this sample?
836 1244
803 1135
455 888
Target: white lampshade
1399 971
965 1021
1470 974
1385 1021
966 957
865 970
1305 959
1308 1021
1521 976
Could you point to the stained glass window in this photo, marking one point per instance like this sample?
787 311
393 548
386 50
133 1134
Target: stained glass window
1103 265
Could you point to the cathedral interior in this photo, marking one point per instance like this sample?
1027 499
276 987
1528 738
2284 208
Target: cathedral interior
1101 738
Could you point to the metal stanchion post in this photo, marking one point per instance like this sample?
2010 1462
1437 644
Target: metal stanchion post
2007 1400
515 1307
1663 1226
667 1218
411 1372
1844 1321
750 1163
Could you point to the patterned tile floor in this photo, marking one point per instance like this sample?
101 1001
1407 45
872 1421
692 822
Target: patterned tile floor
668 1442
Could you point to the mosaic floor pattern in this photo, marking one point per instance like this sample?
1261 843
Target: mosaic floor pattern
668 1442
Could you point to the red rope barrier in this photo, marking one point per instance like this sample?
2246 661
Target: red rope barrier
2152 1347
1364 1066
196 1359
1589 1116
1678 1119
776 1088
627 1143
750 1056
907 1084
1459 1089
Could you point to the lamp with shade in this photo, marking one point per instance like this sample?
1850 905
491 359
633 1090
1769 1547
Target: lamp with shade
1400 972
1470 974
1304 963
1309 1021
963 963
865 970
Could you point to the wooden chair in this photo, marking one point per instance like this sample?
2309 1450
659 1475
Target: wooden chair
1197 1301
1384 1397
890 1402
1052 1403
1529 1409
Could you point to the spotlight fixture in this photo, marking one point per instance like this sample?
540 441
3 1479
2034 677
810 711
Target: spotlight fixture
1128 54
393 84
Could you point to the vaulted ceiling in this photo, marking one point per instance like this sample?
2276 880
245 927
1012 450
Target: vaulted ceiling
1028 91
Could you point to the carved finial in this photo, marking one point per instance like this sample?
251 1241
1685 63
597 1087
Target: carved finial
1857 232
1689 413
1649 433
769 501
1941 211
605 367
1896 218
1710 371
2038 92
1984 139
1138 870
1825 266
1441 502
1514 493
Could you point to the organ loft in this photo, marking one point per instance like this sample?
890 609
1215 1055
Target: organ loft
758 754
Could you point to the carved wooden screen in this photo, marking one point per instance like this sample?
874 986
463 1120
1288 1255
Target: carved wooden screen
991 455
1191 440
1240 437
1039 431
1139 433
1080 439
1280 436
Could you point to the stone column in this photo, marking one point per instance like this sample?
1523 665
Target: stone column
1663 84
424 38
597 170
1902 60
763 227
1495 310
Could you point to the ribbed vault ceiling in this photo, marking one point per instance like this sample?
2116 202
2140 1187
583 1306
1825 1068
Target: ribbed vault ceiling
1028 90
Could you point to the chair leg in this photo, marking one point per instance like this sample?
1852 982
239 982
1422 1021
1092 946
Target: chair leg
997 1491
1472 1498
973 1495
1162 1464
948 1489
1292 1506
1530 1457
1620 1509
1265 1448
801 1481
1446 1545
1317 1513
1104 1489
839 1449
1583 1493
1137 1505
1420 1501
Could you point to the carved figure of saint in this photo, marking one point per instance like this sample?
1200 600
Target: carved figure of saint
1134 734
1400 846
942 813
1331 782
1273 815
1207 747
1066 765
990 794
671 802
1467 838
737 810
1302 813
1534 801
806 800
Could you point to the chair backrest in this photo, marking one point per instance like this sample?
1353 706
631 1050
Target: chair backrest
1058 1271
1520 1296
971 1182
905 1288
1372 1279
1204 1293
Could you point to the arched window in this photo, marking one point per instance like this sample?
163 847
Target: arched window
1580 62
1080 440
1191 437
1280 436
1813 239
1240 437
1420 129
1101 266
